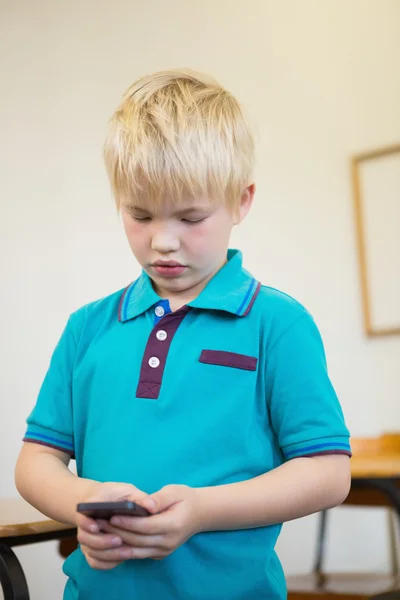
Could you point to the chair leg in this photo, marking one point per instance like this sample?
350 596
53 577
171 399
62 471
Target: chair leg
319 559
12 578
393 527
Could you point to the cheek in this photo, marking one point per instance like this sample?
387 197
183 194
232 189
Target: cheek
135 233
206 239
196 238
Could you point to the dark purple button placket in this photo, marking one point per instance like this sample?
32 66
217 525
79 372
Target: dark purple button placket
156 353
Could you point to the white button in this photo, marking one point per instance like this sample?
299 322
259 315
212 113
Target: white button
159 311
154 362
161 335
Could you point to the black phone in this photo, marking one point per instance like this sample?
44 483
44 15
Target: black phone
106 510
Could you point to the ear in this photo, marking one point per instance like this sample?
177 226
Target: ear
246 202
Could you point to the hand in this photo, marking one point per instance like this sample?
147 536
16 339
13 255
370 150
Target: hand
103 550
175 518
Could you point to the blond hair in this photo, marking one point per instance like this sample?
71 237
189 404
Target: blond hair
177 133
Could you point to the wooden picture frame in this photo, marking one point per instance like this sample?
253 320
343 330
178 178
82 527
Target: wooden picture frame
376 195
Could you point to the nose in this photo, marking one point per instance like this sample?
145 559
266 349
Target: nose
165 239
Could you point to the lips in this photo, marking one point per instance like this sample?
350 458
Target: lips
167 263
168 268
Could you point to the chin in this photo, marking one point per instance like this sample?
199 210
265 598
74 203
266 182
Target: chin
174 286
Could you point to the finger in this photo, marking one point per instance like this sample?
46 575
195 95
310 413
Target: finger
137 496
99 564
154 525
116 491
165 498
86 523
115 555
142 541
99 541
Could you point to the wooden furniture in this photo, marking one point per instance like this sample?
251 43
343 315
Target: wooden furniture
387 596
22 524
375 472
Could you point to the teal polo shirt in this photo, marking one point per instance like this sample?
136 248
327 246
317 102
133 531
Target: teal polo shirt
222 390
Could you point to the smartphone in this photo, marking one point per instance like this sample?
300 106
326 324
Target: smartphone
106 510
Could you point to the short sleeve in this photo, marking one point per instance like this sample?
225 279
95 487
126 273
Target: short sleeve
50 423
304 409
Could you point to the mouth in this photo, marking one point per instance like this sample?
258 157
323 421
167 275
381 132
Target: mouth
167 263
168 268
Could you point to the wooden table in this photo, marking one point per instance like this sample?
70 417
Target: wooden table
375 480
384 465
21 524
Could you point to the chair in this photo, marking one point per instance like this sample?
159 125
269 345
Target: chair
20 525
356 586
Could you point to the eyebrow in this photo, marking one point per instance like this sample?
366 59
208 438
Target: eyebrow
191 209
180 213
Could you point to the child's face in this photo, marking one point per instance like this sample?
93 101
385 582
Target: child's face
181 248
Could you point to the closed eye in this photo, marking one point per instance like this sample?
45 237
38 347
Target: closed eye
193 221
141 219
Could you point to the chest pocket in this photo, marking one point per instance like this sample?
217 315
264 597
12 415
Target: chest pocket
229 359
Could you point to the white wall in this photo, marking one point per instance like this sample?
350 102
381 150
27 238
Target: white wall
321 80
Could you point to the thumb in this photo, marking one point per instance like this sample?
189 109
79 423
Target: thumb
161 500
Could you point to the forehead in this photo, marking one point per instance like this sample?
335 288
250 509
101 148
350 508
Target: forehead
172 206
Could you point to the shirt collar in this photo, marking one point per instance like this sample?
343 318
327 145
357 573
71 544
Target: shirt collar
232 290
137 298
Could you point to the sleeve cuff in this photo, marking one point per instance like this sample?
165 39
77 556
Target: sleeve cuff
318 447
48 437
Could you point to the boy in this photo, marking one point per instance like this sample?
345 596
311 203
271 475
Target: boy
203 395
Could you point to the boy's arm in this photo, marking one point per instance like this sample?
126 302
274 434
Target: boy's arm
297 488
43 479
